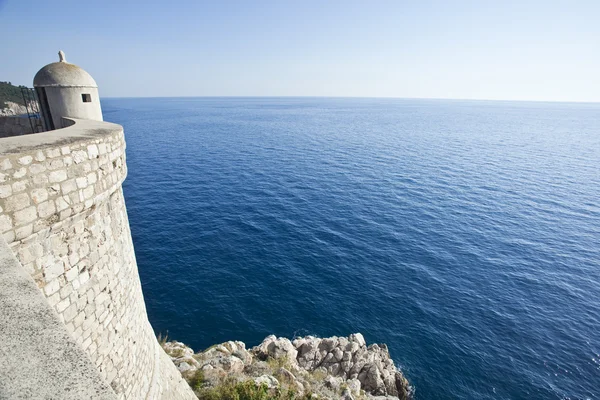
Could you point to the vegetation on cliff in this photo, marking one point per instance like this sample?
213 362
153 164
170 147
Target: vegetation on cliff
302 369
232 389
10 93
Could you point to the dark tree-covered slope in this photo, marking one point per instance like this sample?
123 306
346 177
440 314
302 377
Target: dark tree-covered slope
10 92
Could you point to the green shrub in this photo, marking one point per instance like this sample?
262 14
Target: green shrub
230 389
276 363
197 380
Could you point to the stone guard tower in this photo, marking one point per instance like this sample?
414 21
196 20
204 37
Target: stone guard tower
63 218
66 90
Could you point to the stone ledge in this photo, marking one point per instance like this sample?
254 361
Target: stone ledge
79 130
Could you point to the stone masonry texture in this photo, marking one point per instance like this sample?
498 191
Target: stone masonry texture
63 214
14 126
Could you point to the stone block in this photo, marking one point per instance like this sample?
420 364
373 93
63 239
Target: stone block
40 179
79 156
61 204
55 164
53 300
23 232
9 236
92 151
21 172
66 291
72 274
70 312
17 202
39 156
68 186
64 214
102 297
88 192
53 270
57 176
51 287
20 186
53 153
84 277
5 223
86 343
5 191
90 310
37 168
92 178
39 195
78 321
5 164
25 160
62 305
25 216
81 182
46 209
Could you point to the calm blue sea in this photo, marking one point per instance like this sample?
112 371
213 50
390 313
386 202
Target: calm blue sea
464 234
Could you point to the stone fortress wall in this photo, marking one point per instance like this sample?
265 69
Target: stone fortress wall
14 126
64 217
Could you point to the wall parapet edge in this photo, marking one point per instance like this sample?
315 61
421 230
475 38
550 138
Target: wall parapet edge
47 177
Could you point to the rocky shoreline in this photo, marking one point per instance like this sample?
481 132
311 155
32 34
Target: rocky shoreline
303 368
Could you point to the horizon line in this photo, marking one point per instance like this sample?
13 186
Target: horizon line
354 97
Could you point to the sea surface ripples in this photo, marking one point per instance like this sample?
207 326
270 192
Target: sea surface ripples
465 235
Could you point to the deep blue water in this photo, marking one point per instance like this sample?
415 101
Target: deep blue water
465 235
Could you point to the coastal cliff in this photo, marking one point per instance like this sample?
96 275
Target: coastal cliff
303 368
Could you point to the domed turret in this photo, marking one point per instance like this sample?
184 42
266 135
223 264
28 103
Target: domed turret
66 90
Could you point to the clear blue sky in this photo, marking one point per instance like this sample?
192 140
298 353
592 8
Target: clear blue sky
519 50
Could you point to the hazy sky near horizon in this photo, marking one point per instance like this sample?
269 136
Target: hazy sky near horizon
512 50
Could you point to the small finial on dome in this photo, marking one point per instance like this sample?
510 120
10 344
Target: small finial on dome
61 56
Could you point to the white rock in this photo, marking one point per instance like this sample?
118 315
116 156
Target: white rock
276 348
353 386
184 367
268 380
357 338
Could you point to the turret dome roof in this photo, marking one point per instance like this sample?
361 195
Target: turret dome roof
63 73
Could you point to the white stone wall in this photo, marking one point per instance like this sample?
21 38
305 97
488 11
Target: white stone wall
64 216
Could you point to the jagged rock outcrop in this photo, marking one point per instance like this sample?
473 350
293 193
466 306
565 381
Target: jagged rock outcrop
335 367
